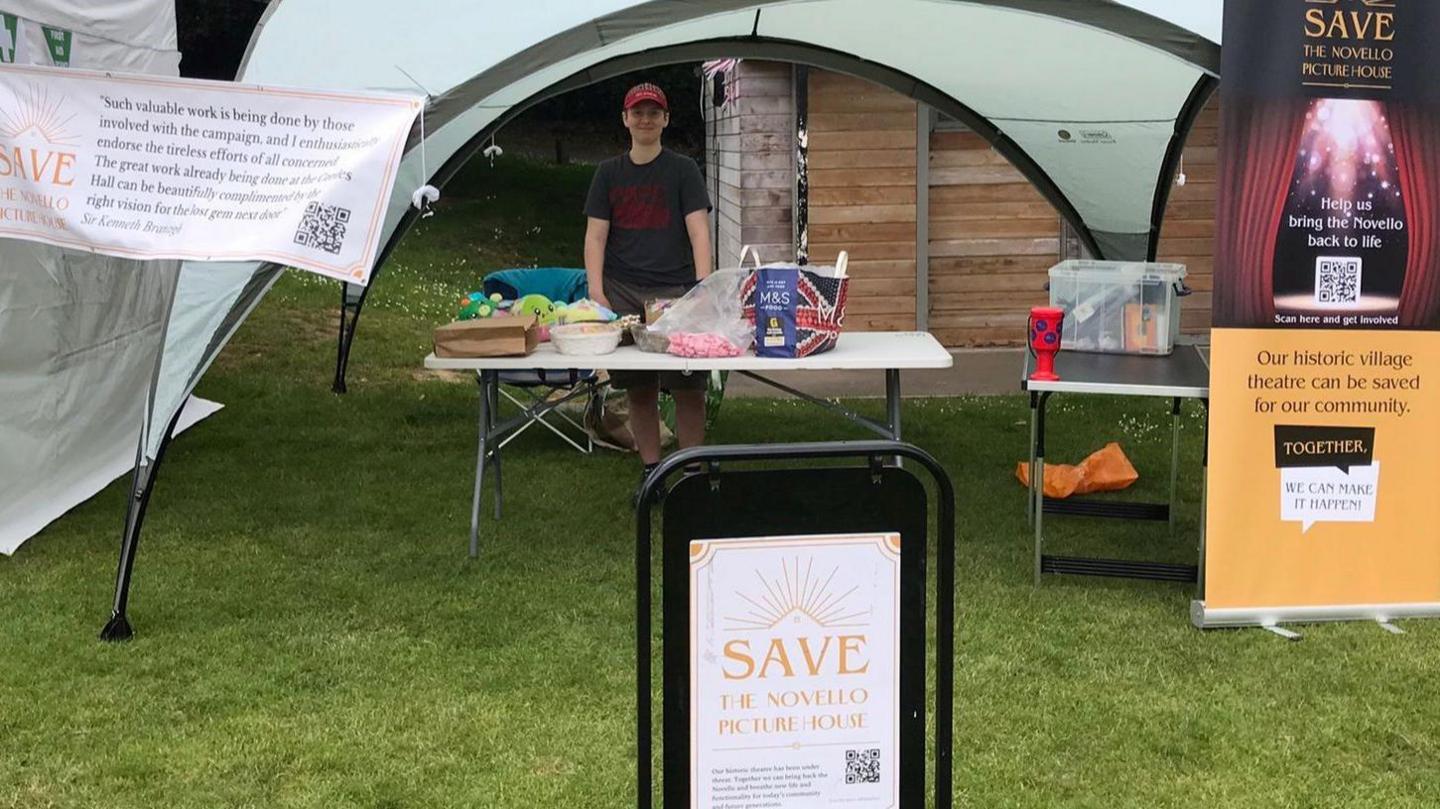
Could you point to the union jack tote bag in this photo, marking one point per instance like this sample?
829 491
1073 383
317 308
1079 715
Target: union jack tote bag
796 311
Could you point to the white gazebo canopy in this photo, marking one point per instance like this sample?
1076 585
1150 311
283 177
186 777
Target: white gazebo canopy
1119 78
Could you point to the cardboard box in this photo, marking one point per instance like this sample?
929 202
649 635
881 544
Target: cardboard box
487 337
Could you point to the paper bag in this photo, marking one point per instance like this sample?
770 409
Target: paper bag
1105 470
489 337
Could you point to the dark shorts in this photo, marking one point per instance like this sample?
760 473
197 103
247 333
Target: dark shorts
629 299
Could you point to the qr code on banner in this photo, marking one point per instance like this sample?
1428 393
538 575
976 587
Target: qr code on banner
1337 281
862 766
322 227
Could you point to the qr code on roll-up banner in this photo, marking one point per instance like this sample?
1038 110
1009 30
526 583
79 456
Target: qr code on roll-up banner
322 227
1337 281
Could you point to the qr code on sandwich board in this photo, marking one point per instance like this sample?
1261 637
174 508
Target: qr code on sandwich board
862 766
1337 281
322 227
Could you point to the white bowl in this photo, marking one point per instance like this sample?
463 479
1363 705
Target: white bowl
585 338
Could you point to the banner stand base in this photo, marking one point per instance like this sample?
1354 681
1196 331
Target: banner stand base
1204 617
1281 631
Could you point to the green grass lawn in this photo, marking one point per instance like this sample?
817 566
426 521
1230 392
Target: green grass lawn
310 632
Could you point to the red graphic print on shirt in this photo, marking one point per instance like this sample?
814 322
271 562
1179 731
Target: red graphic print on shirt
639 207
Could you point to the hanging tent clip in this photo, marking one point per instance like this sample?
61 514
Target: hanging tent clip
493 150
423 197
426 195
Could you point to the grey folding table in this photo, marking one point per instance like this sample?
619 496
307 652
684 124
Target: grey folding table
1182 374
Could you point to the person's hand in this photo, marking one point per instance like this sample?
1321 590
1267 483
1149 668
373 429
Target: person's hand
599 297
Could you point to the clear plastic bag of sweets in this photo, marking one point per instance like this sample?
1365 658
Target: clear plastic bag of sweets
709 321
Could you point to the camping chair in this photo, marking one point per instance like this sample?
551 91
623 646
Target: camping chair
557 284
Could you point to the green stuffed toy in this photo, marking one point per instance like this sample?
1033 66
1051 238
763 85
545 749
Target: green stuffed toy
541 307
476 305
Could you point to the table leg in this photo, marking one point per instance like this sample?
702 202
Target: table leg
892 406
484 430
1174 457
1037 481
1030 495
494 388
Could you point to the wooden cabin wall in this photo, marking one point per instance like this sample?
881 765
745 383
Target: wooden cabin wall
992 236
861 146
1187 234
750 156
993 239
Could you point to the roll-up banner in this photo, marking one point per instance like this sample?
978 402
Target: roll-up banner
1325 424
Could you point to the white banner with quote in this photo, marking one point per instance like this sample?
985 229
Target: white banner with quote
157 167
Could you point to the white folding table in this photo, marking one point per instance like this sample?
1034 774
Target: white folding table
891 352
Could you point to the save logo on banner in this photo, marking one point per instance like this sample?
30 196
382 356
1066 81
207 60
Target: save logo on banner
145 167
1325 432
795 665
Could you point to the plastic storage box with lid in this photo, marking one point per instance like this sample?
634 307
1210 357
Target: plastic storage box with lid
1119 307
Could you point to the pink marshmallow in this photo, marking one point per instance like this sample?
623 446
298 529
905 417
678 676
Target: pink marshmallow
693 344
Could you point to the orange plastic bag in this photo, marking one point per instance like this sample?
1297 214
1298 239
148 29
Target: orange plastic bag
1106 470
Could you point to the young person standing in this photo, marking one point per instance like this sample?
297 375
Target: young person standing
647 236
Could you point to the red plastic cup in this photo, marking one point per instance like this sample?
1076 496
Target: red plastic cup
1044 330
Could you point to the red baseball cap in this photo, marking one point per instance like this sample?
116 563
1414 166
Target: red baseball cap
646 92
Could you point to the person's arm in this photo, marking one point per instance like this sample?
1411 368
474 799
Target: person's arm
596 233
697 224
695 202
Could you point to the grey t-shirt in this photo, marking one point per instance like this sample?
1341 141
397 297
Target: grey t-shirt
646 207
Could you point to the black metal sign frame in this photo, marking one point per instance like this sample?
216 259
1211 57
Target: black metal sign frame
724 502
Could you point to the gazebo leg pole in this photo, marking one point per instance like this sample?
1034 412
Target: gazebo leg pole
142 484
351 303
